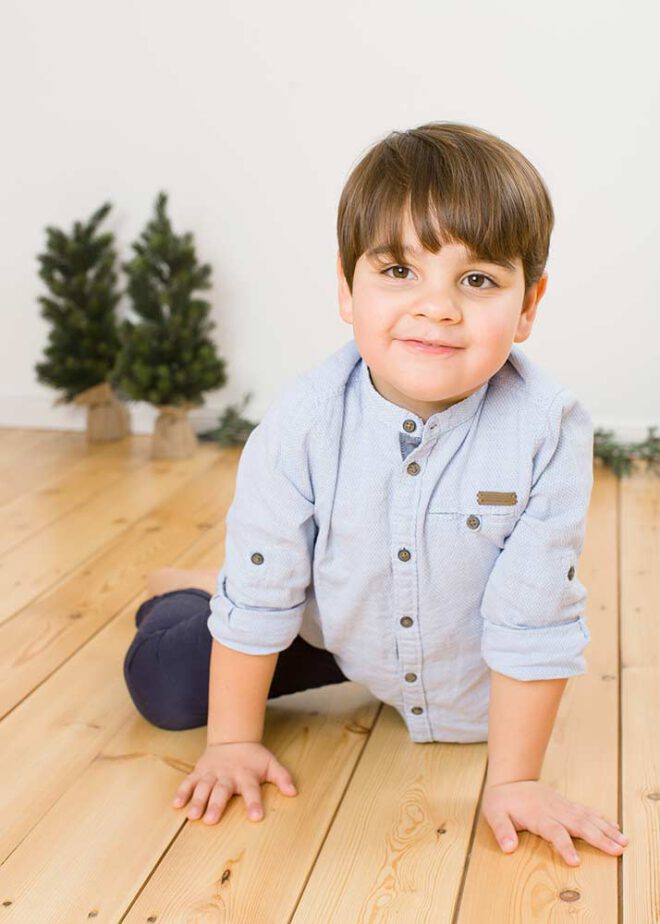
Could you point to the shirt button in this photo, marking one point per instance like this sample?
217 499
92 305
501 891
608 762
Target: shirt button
417 710
413 468
571 573
403 555
406 621
409 425
411 678
473 521
257 558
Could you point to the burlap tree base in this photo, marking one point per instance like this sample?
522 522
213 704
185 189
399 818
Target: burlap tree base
174 437
107 416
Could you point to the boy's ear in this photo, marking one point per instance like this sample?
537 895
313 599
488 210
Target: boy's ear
528 310
344 294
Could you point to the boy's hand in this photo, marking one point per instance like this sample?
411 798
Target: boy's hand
532 806
228 768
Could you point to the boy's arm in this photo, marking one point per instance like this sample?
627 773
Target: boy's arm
261 589
521 717
238 690
263 584
533 604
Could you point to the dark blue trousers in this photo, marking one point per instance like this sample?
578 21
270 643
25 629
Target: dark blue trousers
166 667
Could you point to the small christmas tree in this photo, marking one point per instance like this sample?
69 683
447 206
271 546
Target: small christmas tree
79 270
167 357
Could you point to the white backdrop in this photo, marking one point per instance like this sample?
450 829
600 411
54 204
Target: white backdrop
251 117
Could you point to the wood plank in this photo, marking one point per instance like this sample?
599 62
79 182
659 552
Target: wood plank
32 511
581 762
398 845
64 545
85 776
67 717
91 770
640 694
49 630
15 443
49 457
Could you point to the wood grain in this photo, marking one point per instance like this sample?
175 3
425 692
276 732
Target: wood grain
382 829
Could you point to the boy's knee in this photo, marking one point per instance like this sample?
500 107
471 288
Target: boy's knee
149 690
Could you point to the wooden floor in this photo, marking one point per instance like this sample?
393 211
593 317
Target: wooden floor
382 830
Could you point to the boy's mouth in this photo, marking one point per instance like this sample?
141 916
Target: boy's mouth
431 346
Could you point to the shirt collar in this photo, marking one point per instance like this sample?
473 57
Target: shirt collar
395 416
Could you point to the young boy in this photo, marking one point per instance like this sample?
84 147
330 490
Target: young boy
409 514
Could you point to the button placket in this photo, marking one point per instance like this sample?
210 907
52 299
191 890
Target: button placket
417 441
406 625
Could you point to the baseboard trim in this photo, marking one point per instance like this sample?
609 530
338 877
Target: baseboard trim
39 413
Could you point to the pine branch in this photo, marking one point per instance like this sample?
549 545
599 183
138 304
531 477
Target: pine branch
232 429
619 456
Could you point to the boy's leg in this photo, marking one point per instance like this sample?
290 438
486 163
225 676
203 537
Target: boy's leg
166 667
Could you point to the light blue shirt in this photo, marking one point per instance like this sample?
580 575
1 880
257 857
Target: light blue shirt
420 554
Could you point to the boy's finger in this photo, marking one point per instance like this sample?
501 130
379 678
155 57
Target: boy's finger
199 799
251 792
217 802
610 830
183 792
594 834
504 831
557 834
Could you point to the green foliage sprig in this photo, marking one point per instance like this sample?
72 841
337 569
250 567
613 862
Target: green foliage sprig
619 456
232 429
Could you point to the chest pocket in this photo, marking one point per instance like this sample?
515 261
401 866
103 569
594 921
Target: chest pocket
460 552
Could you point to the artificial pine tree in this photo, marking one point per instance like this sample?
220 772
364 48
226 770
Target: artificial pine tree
79 270
167 357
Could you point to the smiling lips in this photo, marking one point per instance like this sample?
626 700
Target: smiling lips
426 346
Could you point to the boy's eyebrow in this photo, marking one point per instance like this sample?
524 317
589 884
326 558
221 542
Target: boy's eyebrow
417 252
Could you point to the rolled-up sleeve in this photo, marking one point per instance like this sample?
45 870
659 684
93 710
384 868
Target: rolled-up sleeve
271 530
533 604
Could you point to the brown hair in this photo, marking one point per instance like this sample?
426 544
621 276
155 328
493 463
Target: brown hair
455 179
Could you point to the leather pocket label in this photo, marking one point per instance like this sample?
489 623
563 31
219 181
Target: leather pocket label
505 498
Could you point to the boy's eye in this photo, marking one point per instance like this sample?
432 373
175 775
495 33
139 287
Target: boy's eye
481 276
470 276
397 267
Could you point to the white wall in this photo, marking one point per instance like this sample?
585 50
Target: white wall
251 116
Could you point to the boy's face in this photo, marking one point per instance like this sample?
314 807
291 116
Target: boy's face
478 306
